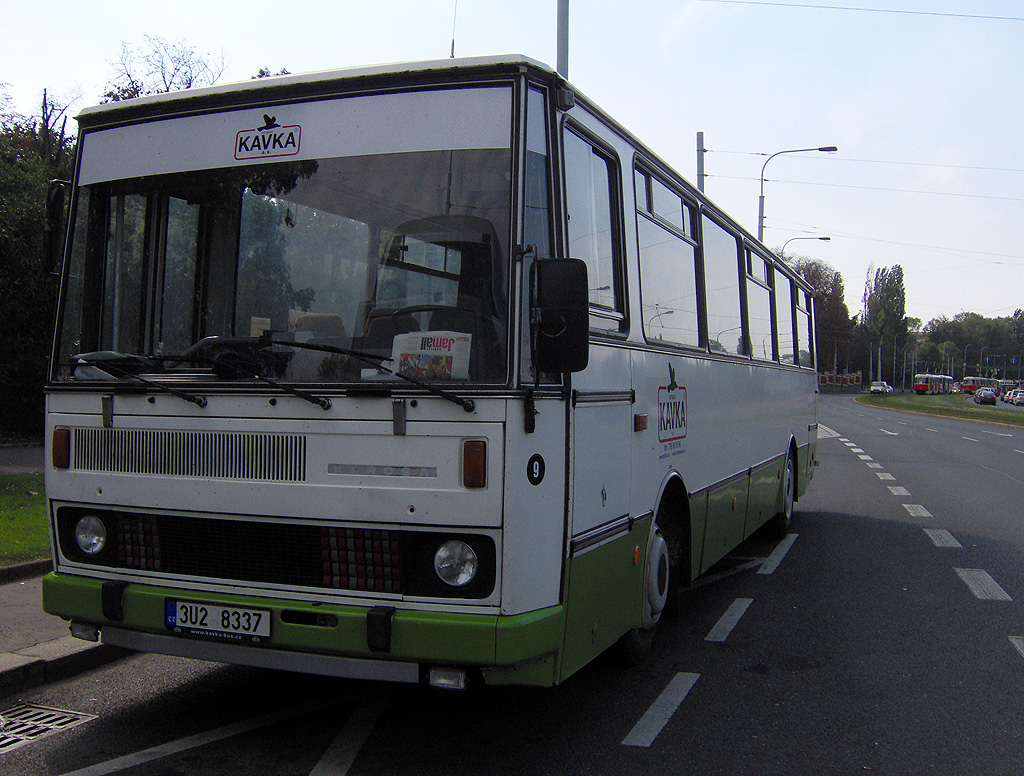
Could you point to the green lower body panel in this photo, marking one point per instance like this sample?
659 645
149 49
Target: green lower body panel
523 648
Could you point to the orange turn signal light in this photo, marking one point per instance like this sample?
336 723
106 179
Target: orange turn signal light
474 463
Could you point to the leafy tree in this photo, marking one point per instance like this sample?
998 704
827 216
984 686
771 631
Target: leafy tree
160 66
32 152
831 315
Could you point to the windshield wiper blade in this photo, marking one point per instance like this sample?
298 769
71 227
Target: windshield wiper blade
467 404
117 365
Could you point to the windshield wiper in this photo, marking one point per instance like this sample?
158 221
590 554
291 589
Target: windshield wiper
241 344
467 404
113 364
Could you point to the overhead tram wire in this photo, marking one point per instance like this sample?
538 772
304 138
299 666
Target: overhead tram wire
872 188
899 11
845 159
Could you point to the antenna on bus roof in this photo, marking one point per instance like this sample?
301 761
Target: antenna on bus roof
455 17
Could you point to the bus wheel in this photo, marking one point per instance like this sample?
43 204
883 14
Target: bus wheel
782 521
637 641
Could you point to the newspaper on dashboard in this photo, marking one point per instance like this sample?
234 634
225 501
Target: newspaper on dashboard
432 355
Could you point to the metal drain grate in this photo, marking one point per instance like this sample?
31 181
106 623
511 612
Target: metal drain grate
28 722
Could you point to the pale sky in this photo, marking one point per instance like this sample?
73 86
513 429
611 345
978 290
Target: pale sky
924 99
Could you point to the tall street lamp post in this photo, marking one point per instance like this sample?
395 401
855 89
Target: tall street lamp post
782 251
760 201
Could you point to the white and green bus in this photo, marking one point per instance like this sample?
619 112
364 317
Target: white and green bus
420 372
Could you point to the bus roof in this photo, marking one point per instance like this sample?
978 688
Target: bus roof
257 88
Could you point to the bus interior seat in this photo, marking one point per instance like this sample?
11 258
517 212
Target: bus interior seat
320 329
383 325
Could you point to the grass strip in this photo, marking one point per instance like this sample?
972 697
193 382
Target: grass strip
951 405
23 534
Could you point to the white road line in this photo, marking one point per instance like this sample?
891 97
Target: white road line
933 430
1018 642
996 433
657 716
192 742
885 476
916 510
824 432
982 585
843 439
342 752
898 490
1019 451
890 433
729 620
874 466
772 561
865 457
969 439
942 538
850 444
856 450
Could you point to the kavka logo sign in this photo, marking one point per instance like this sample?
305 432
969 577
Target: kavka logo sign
671 410
267 141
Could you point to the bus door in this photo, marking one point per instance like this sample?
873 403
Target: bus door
600 564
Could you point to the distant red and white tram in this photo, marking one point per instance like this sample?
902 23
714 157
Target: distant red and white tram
971 384
928 383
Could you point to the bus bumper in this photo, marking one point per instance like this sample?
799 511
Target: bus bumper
325 639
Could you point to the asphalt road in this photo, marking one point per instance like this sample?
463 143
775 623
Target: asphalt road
881 641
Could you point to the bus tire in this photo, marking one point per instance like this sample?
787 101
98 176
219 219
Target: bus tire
782 521
636 643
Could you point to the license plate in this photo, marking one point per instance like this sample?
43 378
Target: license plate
231 623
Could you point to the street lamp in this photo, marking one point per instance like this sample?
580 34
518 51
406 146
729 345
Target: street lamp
782 251
760 201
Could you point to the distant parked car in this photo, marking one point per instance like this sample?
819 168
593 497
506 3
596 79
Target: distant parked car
880 387
1018 400
985 396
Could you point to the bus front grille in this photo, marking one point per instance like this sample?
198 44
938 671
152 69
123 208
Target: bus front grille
204 454
281 554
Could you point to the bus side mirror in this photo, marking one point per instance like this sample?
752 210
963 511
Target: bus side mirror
52 224
561 315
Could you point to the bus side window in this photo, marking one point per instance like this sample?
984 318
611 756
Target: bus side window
668 264
759 307
721 287
784 313
592 227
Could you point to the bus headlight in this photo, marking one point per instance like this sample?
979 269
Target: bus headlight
456 563
90 535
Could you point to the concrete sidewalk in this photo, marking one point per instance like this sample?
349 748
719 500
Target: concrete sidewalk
35 647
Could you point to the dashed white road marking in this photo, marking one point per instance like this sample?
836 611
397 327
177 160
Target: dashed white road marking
865 457
969 439
890 433
917 510
729 620
899 490
1018 642
772 561
657 716
996 433
856 450
192 742
982 585
342 752
885 476
942 538
874 466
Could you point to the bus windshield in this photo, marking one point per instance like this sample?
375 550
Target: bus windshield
397 261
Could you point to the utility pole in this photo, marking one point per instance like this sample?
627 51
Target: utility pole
701 150
563 39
